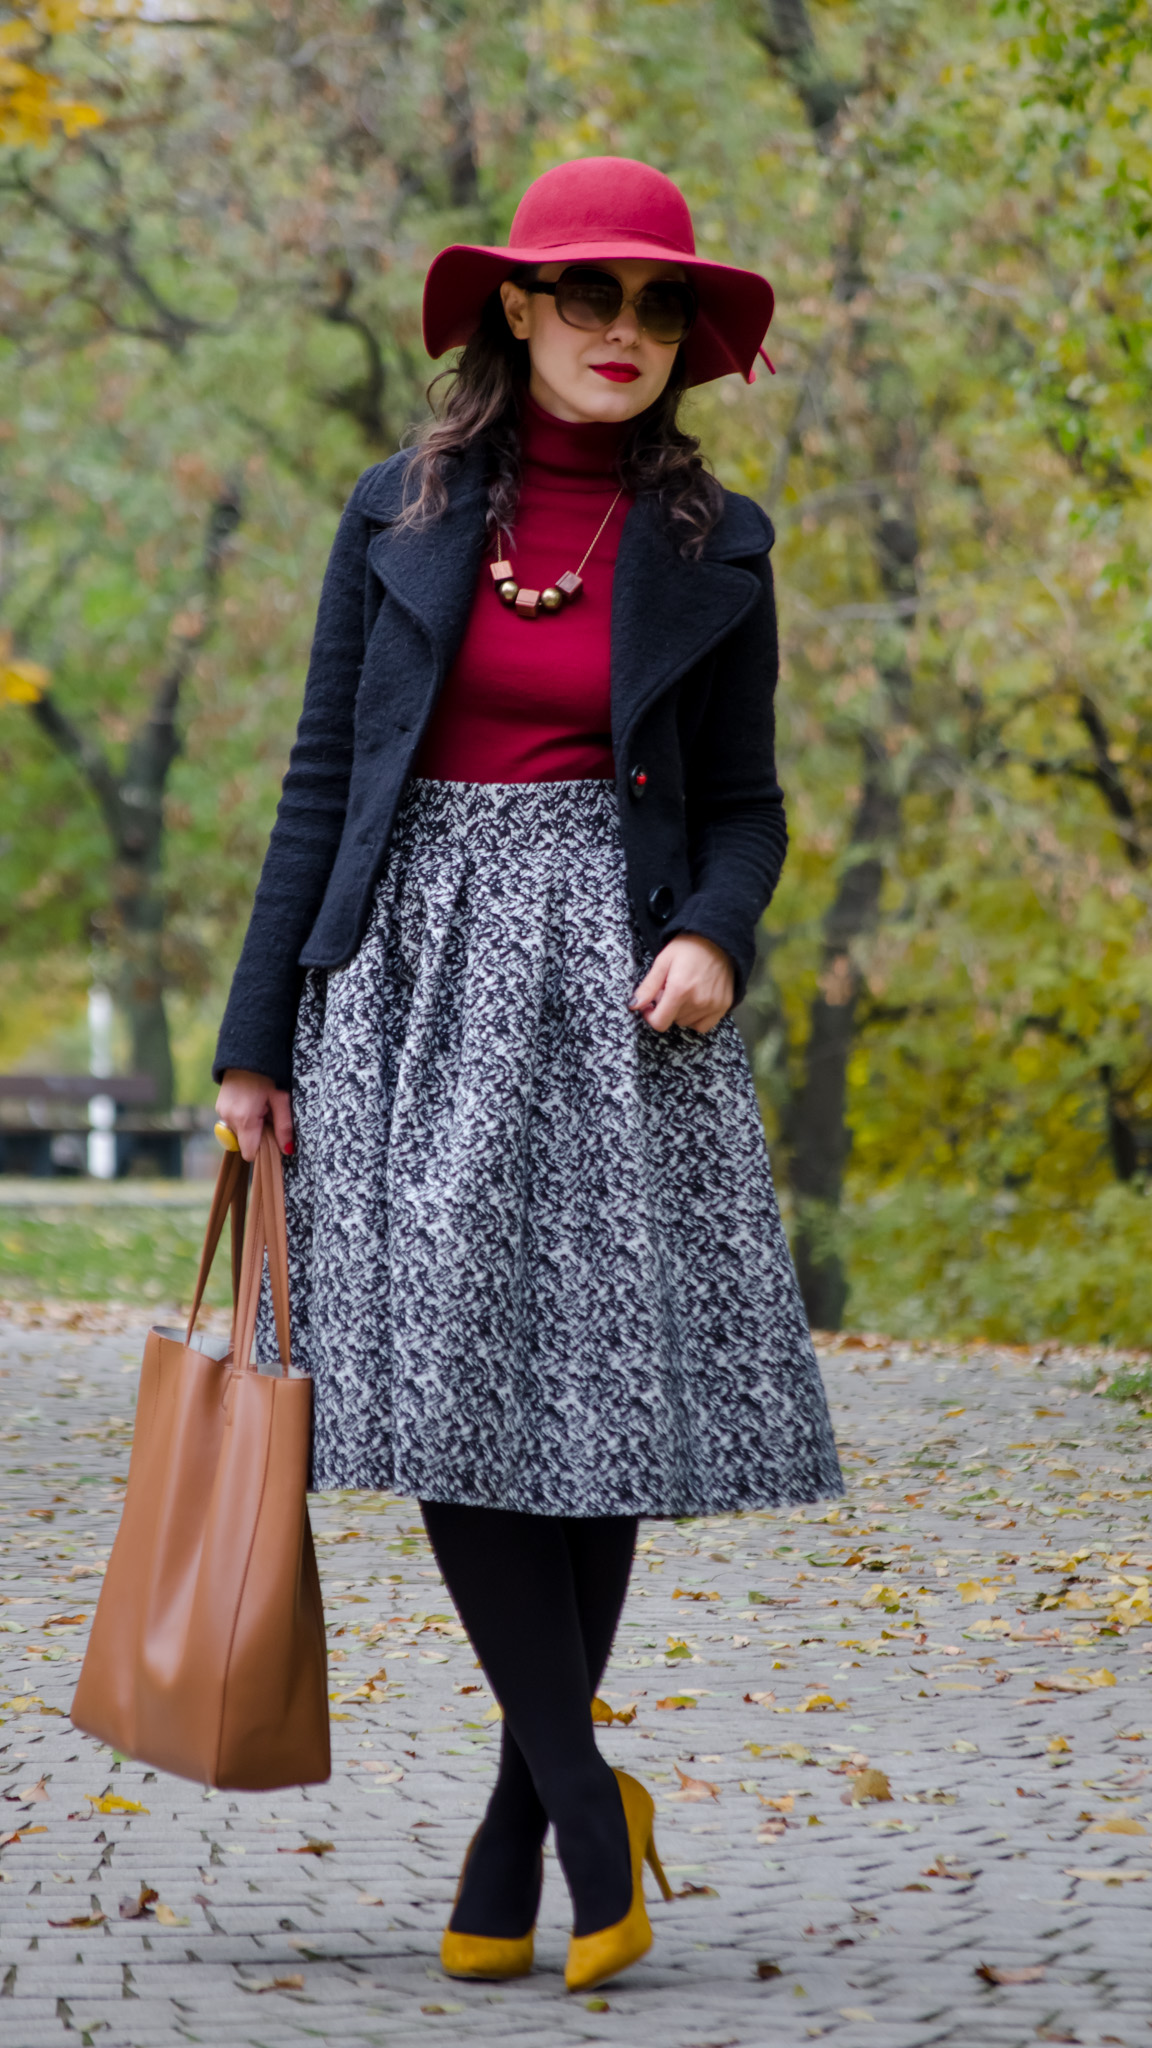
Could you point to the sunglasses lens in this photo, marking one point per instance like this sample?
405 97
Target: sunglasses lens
588 298
592 298
666 310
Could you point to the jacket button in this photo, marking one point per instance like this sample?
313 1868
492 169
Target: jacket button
661 902
639 781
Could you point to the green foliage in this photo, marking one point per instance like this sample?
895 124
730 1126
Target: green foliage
111 1254
1132 1384
932 1259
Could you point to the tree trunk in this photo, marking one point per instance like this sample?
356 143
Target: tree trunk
140 982
133 808
816 1131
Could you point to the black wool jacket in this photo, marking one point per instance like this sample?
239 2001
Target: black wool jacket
693 673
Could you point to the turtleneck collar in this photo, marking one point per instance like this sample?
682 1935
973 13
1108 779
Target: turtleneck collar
584 448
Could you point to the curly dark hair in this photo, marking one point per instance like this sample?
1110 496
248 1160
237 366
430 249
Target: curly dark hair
483 401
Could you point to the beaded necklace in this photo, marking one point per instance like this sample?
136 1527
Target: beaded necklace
528 604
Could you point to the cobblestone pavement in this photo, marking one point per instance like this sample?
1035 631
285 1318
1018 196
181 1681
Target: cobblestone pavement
971 1623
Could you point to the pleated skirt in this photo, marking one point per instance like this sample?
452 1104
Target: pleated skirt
535 1256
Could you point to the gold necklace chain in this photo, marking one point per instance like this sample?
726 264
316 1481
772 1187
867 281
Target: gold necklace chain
528 604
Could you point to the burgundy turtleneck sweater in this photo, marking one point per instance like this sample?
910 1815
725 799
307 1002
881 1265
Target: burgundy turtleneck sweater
528 700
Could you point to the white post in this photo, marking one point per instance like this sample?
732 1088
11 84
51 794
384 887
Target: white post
101 1108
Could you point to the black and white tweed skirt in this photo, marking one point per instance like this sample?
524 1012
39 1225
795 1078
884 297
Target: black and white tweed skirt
535 1256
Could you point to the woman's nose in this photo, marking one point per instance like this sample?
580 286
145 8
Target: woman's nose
624 328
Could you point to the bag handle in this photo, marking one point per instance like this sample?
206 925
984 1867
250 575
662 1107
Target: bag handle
267 1231
230 1193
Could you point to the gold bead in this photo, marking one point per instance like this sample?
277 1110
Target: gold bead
508 592
552 599
226 1136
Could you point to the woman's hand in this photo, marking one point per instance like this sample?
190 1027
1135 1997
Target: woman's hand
690 982
246 1102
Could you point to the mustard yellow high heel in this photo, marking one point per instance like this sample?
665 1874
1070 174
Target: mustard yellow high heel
592 1958
488 1956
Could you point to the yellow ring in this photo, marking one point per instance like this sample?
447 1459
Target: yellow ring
226 1137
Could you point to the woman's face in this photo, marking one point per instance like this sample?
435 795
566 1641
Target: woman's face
568 363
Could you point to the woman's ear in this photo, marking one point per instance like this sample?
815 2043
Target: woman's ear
514 300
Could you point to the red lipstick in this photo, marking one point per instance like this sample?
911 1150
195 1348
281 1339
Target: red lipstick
617 373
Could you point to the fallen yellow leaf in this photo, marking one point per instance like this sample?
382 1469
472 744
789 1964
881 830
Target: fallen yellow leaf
167 1918
1059 1746
1119 1826
868 1785
1025 1973
1077 1681
111 1802
694 1788
971 1593
677 1700
137 1908
604 1715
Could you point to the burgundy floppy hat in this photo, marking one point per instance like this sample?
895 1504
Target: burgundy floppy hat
597 207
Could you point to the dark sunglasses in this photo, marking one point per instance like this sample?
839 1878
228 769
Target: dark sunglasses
665 308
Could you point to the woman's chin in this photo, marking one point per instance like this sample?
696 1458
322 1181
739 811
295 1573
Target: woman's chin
593 400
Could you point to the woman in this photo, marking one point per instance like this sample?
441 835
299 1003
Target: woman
529 824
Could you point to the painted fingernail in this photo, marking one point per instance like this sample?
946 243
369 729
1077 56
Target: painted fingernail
289 1148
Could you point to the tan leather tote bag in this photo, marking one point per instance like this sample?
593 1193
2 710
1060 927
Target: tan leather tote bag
207 1655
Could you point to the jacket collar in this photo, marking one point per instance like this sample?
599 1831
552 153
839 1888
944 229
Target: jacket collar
667 613
430 571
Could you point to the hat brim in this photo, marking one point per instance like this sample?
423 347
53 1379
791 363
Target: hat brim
735 305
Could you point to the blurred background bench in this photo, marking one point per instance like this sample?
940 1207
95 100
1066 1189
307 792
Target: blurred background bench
67 1124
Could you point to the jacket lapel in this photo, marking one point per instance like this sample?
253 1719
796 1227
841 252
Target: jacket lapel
431 571
667 613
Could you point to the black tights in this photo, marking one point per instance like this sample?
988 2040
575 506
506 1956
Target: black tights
540 1597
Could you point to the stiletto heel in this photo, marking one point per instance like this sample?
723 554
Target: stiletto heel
488 1956
657 1869
592 1958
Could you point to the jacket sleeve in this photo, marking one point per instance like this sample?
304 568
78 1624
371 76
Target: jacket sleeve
737 836
260 1017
